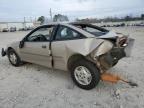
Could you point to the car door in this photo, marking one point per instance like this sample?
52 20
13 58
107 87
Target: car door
64 36
37 46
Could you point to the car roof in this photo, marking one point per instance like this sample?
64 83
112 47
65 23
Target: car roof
74 25
66 22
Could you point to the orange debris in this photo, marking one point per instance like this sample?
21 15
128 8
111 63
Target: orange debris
110 77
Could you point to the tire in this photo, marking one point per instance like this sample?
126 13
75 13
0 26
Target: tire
90 69
17 60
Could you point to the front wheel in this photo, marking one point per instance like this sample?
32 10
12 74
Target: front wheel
85 74
14 58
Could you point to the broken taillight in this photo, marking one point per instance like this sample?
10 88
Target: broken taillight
122 41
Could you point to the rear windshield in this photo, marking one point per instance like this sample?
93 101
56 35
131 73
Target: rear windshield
95 30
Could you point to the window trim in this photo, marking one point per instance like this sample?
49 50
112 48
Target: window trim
90 25
54 37
44 26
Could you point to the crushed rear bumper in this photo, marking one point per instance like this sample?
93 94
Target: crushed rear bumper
111 58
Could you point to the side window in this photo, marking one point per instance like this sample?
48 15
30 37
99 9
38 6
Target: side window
94 31
41 35
91 30
66 33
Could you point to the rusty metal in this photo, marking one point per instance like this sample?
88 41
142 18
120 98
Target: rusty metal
115 78
110 77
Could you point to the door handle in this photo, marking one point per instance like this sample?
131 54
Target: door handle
43 46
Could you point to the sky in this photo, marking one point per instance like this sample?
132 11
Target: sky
16 10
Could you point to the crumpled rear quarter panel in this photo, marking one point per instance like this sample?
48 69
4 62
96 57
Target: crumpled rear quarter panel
63 50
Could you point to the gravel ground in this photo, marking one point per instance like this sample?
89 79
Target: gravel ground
33 86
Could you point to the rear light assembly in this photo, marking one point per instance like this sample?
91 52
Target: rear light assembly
122 41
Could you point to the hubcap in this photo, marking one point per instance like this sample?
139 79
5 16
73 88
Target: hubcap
13 58
82 75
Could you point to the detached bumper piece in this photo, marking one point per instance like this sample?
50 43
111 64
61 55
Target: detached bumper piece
3 52
115 78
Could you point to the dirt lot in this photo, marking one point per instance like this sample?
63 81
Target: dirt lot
33 86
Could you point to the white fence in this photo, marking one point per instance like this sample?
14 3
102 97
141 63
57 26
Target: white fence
18 25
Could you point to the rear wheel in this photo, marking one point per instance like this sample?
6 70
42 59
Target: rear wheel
14 59
85 74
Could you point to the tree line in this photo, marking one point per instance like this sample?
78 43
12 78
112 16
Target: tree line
112 19
61 18
58 17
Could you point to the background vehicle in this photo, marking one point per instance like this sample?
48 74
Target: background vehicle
5 30
12 29
83 49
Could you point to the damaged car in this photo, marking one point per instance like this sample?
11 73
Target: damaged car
85 50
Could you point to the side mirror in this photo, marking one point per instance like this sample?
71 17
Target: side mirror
21 45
